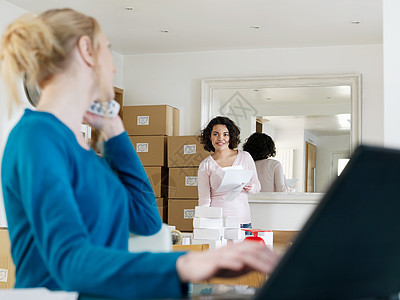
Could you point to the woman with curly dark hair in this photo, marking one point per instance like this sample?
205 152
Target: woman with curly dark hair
221 136
270 172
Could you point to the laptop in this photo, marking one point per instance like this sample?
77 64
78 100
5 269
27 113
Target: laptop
350 246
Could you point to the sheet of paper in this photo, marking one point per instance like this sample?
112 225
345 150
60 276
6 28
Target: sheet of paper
233 182
290 182
238 167
37 294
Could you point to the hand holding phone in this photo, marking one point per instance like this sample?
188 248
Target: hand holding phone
111 106
95 117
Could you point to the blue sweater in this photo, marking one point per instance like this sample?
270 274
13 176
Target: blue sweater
69 214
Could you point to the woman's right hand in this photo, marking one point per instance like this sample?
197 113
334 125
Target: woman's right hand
109 126
229 261
248 187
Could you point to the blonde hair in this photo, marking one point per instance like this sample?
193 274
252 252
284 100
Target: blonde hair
39 47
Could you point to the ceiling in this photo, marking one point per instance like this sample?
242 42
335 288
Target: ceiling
212 25
208 25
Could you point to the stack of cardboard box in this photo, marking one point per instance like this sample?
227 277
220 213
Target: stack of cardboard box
7 268
185 153
148 127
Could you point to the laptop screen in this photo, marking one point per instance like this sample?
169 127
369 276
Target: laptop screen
350 246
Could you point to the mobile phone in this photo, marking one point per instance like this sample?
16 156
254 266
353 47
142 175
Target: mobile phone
99 108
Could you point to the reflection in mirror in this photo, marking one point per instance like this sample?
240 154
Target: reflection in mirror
314 121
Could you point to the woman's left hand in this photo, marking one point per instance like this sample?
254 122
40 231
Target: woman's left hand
248 187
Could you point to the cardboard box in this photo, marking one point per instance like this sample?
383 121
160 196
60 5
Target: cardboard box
183 183
162 205
158 177
151 120
7 268
185 151
181 213
152 150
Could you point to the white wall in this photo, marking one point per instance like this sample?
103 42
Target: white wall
391 39
175 79
293 138
309 137
269 130
8 12
119 67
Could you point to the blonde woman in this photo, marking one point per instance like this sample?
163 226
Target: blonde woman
69 211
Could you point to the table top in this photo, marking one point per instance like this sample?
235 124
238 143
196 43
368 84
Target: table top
220 288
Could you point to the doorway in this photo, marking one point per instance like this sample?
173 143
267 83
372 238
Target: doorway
310 166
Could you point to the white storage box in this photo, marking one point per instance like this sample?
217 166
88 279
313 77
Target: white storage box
234 234
207 223
231 222
268 237
208 233
208 212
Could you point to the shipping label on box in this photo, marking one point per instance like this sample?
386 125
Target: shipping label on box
189 149
190 180
142 147
185 151
3 275
183 183
188 213
143 120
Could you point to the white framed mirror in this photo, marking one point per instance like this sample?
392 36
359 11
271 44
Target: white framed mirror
322 110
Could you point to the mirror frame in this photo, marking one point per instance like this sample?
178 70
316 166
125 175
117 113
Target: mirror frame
209 85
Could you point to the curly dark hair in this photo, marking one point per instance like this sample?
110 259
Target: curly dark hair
234 133
260 146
